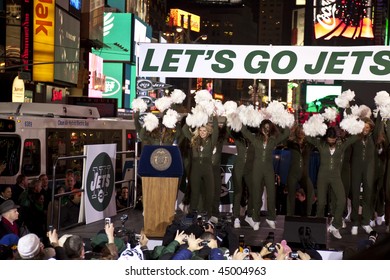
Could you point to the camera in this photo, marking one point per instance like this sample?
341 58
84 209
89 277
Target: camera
51 228
124 218
137 236
272 248
204 243
246 250
107 221
293 255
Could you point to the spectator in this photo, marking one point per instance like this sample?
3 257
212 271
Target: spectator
46 191
19 187
122 198
195 246
74 248
71 210
9 215
31 248
5 193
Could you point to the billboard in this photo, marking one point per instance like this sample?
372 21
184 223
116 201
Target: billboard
140 36
43 40
67 51
97 81
175 19
116 37
348 19
114 81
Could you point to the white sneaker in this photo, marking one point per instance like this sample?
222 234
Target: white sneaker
249 220
237 223
354 230
271 223
380 220
372 223
256 225
367 228
335 232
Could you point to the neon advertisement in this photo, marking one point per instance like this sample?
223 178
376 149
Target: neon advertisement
343 18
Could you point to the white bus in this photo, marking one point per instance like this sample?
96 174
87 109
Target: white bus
34 135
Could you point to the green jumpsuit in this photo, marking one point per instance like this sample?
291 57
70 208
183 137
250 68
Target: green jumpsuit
363 172
329 174
263 171
216 160
299 173
202 177
241 173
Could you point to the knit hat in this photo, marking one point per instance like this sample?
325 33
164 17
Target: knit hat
7 205
29 246
100 240
10 239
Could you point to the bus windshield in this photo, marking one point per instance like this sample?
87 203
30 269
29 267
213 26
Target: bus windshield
10 154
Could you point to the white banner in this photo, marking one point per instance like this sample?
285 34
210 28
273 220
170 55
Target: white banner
99 182
264 62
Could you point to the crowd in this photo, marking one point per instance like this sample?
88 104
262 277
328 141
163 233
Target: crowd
351 177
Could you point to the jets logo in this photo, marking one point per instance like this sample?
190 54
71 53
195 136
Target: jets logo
100 182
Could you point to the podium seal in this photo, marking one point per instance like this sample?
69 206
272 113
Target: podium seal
161 159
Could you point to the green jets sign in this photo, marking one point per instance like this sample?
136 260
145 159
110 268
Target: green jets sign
100 182
264 62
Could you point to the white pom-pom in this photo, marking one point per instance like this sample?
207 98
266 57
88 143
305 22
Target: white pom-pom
385 111
139 105
382 98
202 95
178 96
163 103
250 116
170 118
230 107
352 124
330 114
345 98
206 106
233 121
315 126
150 122
197 117
219 109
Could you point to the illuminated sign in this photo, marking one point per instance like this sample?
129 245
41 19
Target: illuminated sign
43 40
24 55
97 82
175 18
114 77
349 19
67 50
18 90
116 37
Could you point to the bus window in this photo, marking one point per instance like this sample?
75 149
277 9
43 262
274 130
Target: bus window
56 147
31 161
10 154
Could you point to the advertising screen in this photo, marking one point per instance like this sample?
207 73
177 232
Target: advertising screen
97 81
114 81
67 42
342 18
116 37
75 7
321 96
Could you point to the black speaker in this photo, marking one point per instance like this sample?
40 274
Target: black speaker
305 232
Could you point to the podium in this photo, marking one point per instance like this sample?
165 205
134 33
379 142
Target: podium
160 169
